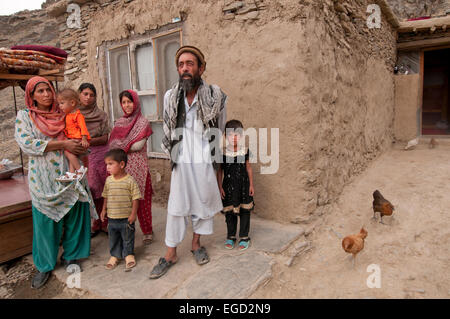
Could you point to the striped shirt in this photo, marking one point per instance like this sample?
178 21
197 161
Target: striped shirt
120 194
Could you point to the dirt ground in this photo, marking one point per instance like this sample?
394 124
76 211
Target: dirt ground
412 251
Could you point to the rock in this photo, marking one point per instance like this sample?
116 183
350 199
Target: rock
57 9
344 17
419 290
301 245
300 220
229 16
340 8
4 293
81 1
247 9
71 71
233 6
346 28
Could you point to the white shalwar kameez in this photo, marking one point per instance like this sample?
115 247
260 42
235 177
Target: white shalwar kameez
194 191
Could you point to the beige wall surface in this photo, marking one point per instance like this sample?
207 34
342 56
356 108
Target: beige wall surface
313 69
407 105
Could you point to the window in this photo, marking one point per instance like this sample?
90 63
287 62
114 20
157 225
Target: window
147 66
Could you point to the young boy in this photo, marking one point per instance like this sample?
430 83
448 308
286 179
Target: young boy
75 129
121 202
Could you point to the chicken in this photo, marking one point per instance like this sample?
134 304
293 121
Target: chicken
353 244
433 143
381 205
412 143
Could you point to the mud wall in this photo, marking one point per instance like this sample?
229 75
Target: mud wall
313 69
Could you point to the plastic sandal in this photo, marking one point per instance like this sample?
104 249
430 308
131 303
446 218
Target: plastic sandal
130 262
67 177
112 263
244 244
229 244
147 239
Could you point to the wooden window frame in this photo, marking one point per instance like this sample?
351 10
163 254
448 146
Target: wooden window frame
132 45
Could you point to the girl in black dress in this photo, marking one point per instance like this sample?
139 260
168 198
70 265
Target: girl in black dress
235 178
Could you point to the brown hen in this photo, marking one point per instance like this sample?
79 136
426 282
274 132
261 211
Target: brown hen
353 244
381 205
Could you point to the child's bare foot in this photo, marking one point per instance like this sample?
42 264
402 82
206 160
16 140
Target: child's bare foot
67 177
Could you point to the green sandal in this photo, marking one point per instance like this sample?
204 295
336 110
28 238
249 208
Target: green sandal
244 244
229 244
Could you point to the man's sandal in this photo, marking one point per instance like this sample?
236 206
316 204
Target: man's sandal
161 268
112 263
201 256
130 262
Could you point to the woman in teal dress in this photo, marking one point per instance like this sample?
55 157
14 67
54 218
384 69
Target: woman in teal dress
55 206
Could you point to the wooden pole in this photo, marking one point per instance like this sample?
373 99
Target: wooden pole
15 108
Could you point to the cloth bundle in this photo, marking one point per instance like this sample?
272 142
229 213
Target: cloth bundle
29 60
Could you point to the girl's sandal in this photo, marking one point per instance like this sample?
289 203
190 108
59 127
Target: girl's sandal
229 244
112 263
244 244
130 262
147 239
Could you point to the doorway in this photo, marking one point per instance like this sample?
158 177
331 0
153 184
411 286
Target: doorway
435 106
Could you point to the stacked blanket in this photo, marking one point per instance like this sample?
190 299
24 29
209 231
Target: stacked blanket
32 58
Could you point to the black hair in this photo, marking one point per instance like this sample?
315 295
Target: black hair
89 86
35 86
118 155
234 124
127 94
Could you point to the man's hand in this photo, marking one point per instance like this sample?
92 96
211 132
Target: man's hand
222 192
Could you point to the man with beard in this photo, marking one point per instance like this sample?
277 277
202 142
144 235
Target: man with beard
194 116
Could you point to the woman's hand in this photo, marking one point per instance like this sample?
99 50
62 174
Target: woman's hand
74 147
251 190
222 192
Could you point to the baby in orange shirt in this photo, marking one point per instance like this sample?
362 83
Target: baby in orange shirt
75 129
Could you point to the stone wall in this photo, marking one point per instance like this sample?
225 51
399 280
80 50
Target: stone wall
407 9
312 69
25 27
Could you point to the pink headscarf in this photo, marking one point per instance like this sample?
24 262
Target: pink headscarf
50 123
130 128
